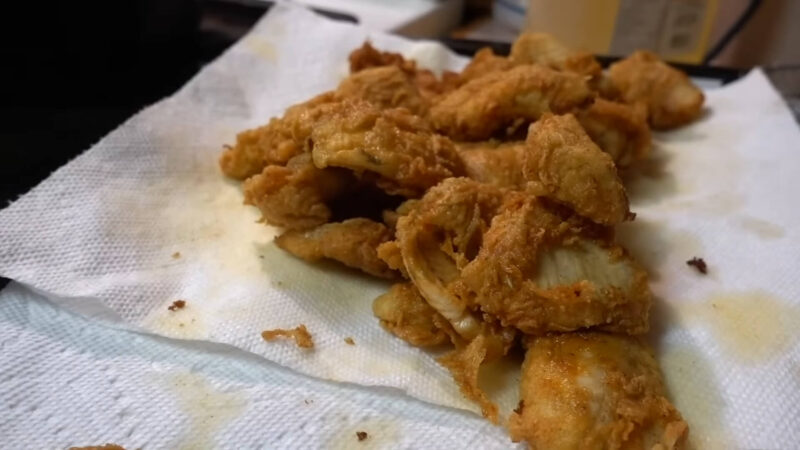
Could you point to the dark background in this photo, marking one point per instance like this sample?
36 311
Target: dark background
74 71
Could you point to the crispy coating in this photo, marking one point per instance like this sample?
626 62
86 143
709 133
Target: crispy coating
389 252
499 100
368 56
385 87
498 163
532 48
464 365
400 148
618 129
564 164
594 391
276 142
390 216
545 49
296 196
300 335
428 85
432 88
485 61
407 315
541 269
438 237
353 242
671 98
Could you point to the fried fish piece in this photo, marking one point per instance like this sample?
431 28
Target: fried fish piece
545 49
498 163
541 268
533 48
276 142
618 129
485 61
385 87
407 315
671 98
594 391
353 242
427 83
295 196
498 100
437 238
389 252
390 216
368 56
398 147
564 164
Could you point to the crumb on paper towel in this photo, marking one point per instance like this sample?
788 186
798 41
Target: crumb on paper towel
176 305
699 264
100 447
300 335
361 435
176 255
349 341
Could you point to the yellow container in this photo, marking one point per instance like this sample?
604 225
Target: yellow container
678 30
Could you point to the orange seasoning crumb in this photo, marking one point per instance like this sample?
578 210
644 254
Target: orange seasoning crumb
349 341
300 335
176 305
176 255
361 435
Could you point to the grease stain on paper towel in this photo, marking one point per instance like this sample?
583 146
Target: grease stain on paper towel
761 228
182 323
262 48
208 409
752 326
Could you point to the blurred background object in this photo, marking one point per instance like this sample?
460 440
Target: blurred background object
73 71
678 30
412 18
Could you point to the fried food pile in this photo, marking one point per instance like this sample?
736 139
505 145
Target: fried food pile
490 198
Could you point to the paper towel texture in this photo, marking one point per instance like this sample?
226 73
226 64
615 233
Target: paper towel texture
102 235
77 382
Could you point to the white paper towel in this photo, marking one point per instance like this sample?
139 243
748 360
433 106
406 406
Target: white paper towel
99 237
75 382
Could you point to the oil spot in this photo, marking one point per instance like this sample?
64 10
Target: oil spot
752 326
182 323
207 409
716 204
340 286
693 389
760 227
262 48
